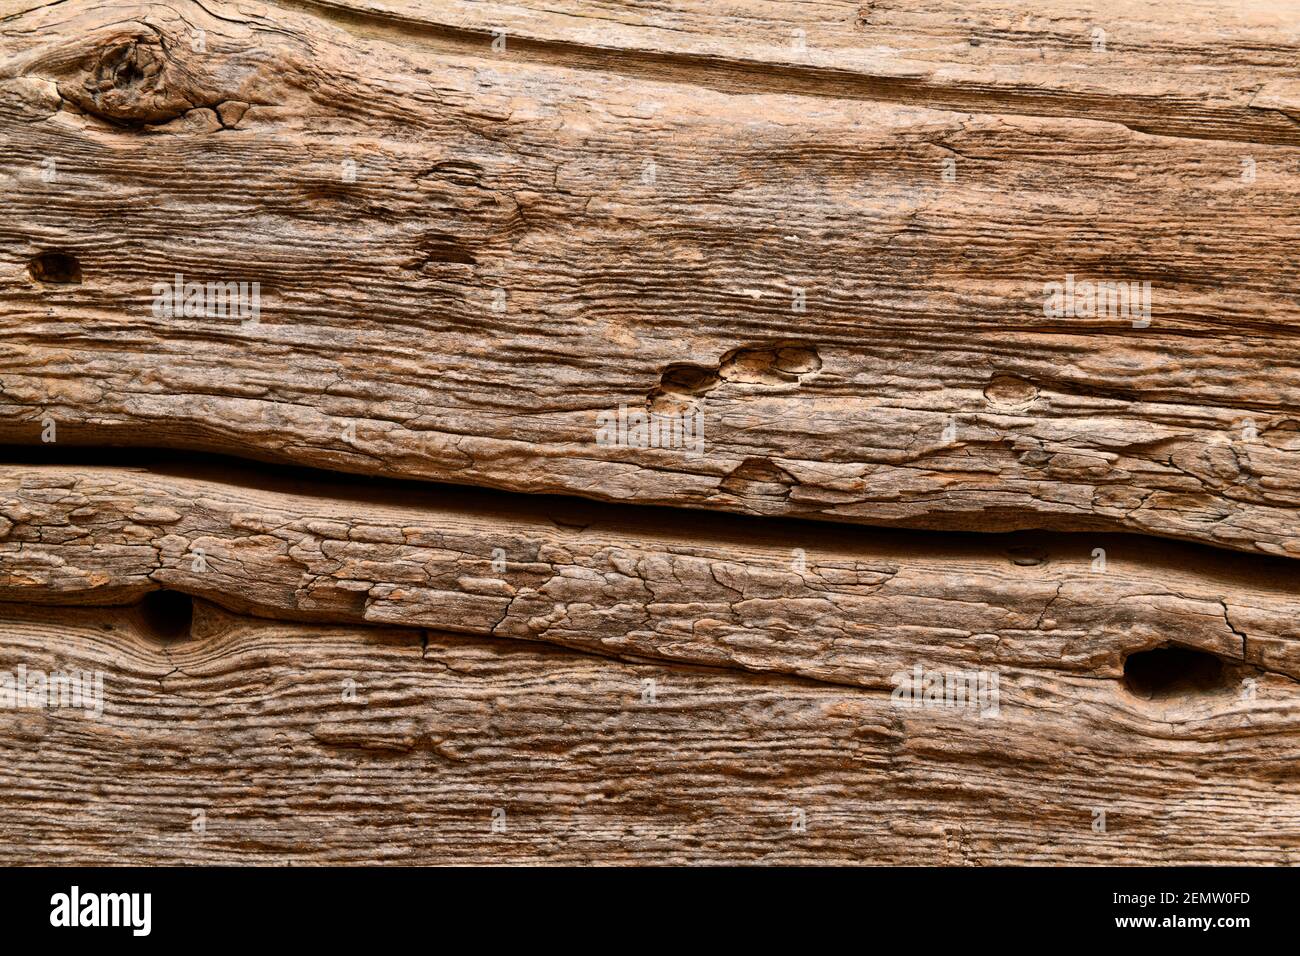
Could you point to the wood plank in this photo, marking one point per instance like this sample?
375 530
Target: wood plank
250 724
1211 71
924 386
846 606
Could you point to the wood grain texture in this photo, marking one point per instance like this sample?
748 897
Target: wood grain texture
923 386
842 606
1211 70
249 724
823 232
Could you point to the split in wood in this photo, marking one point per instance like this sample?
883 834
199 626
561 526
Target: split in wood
283 742
849 606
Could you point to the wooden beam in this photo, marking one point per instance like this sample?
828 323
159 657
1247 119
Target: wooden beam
1212 72
466 258
269 742
847 606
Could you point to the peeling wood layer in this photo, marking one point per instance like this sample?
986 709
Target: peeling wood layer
845 606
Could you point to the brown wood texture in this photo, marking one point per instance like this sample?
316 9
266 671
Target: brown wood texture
1210 71
252 726
923 385
798 598
366 580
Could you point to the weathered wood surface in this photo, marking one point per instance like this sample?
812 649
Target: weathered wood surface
1209 70
252 725
842 606
823 231
923 386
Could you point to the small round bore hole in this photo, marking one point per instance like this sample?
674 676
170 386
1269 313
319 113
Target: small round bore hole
167 615
58 267
1172 672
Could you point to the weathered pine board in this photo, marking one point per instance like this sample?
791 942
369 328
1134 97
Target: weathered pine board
923 385
255 726
850 606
